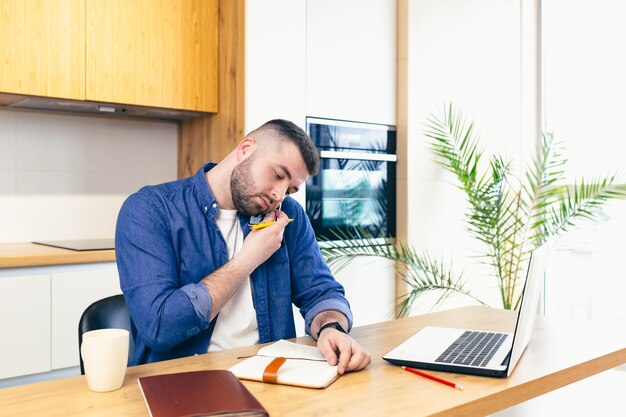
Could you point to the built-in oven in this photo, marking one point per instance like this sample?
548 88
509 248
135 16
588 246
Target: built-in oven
356 182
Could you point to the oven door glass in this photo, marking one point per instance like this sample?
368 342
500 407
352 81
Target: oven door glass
348 193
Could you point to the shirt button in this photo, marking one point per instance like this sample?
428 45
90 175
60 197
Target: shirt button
206 209
214 205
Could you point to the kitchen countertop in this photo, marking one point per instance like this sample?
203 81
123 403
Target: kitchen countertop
15 255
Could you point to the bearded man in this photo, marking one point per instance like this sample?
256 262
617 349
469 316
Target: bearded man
197 278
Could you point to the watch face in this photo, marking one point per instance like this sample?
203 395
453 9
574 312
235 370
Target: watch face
259 217
255 219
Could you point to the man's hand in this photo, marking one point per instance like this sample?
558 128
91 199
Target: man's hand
260 244
340 349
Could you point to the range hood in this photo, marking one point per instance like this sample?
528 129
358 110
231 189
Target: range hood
52 104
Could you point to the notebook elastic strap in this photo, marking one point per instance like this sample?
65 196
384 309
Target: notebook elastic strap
270 374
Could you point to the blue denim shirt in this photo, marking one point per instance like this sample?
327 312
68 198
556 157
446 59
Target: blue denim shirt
166 242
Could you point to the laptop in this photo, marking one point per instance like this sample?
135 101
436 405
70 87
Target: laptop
477 352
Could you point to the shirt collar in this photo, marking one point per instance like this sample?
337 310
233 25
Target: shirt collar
205 197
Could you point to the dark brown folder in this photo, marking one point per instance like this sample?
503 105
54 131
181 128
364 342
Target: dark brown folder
198 393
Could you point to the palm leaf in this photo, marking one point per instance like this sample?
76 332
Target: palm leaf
455 145
343 246
570 204
420 272
425 275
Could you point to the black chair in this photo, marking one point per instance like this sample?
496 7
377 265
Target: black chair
107 313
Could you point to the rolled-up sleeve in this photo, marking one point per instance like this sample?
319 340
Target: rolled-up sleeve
330 304
199 296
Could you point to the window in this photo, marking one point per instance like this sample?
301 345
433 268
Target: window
584 103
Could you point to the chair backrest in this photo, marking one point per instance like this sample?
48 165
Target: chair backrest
107 313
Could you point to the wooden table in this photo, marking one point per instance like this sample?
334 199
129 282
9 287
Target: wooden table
549 362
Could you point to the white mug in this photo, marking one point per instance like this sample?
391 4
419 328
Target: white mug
105 357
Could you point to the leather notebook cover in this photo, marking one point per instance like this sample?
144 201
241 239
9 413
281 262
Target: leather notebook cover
198 393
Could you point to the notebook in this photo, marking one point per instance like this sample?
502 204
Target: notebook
304 366
477 352
198 393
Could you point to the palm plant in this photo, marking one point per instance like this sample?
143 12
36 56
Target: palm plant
511 216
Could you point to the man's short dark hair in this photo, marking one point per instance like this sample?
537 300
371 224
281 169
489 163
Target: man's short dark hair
290 131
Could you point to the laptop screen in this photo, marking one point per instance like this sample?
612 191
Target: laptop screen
528 305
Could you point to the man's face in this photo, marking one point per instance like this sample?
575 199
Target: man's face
259 183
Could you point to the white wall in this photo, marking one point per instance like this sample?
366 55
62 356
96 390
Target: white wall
370 289
466 52
65 176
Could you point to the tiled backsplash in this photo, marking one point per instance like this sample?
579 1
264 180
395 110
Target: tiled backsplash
65 176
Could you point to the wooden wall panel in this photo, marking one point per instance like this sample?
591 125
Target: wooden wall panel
402 112
212 137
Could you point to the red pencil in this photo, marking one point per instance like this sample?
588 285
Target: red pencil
434 378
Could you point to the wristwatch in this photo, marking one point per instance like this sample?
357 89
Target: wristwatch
334 324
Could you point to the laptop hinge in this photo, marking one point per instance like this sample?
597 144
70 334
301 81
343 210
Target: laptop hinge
507 358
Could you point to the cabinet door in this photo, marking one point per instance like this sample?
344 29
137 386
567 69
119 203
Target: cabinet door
160 53
351 60
72 293
24 325
42 48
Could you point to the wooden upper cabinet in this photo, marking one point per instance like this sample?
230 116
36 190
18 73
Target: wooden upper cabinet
160 53
42 48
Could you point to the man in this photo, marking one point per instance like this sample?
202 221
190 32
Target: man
197 278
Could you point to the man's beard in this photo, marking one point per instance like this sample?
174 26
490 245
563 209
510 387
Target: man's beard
242 189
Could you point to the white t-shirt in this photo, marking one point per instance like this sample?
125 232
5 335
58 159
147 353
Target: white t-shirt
236 324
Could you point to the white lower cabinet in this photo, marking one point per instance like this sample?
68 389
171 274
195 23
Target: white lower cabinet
24 325
39 312
72 292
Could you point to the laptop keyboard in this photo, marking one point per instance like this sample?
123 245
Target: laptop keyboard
473 348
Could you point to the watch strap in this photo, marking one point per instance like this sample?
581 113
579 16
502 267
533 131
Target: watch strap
333 324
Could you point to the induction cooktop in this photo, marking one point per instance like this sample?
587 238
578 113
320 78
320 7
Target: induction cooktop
80 244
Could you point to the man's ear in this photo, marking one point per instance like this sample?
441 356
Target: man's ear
246 147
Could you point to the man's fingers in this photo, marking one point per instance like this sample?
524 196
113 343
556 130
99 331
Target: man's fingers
339 345
270 216
328 352
359 360
341 350
345 353
282 218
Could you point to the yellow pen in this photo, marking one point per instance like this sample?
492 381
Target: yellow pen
262 225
